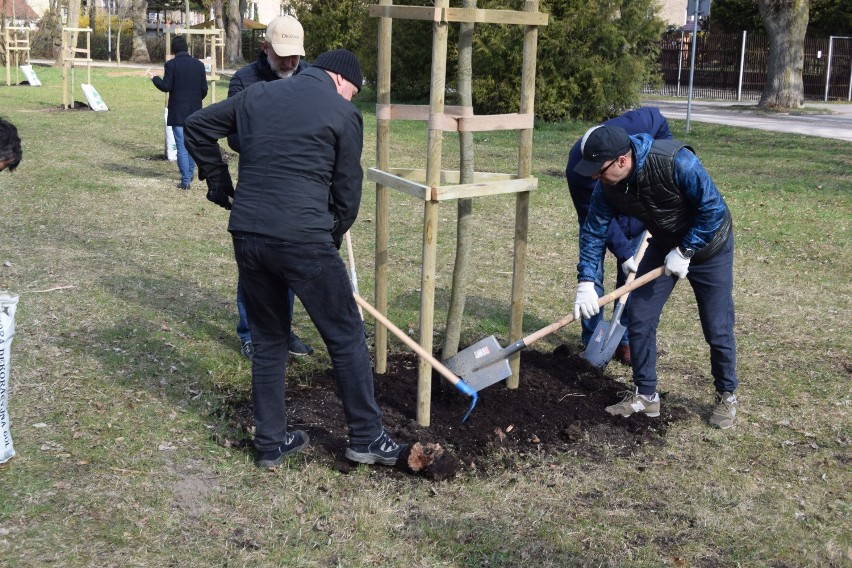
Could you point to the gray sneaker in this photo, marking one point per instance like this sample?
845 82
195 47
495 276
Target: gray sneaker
297 347
725 411
382 450
634 402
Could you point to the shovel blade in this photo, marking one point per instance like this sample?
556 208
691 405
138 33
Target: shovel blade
599 352
467 364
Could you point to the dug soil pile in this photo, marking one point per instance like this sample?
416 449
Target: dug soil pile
559 407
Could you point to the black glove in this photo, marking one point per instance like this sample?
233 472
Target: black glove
220 190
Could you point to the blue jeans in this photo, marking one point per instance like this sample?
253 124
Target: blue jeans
243 328
184 160
316 273
589 325
712 283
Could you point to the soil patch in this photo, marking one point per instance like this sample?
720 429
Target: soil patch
559 407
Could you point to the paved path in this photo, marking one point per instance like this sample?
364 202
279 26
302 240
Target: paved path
827 120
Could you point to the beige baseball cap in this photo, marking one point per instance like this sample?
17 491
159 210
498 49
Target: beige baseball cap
286 36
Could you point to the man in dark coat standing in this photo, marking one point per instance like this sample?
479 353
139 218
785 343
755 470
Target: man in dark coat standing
299 191
186 82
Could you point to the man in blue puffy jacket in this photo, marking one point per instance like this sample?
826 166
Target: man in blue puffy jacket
663 184
625 233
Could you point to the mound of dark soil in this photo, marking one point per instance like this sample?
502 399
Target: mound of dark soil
559 407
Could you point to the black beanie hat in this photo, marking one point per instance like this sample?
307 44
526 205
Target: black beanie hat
179 44
344 62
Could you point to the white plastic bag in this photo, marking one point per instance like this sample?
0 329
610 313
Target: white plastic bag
171 145
8 303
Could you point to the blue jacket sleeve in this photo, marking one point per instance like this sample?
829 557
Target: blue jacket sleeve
699 189
593 235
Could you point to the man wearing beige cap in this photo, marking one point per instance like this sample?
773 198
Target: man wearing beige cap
279 57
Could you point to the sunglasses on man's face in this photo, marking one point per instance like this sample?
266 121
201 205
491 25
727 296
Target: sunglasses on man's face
603 170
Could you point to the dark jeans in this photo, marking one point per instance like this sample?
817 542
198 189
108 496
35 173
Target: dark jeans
317 275
243 329
712 283
589 325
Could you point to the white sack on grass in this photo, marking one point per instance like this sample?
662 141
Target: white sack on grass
8 304
171 145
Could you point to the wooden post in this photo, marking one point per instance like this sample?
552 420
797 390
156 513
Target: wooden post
522 201
430 214
382 195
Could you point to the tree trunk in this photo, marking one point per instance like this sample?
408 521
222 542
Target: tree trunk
234 35
139 15
455 314
786 22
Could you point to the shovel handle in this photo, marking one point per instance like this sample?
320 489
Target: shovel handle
352 275
619 307
602 301
437 365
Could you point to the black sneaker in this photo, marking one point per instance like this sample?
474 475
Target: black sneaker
182 185
293 443
297 348
247 349
382 450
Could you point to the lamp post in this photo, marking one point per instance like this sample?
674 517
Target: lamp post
109 30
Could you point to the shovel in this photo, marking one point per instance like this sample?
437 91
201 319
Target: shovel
462 386
379 317
607 335
485 363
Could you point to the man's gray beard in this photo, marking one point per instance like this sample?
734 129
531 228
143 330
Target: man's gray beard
277 70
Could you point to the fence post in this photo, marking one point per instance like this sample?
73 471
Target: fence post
742 68
828 67
679 61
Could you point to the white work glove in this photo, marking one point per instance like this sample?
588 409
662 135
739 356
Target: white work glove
587 301
676 263
629 266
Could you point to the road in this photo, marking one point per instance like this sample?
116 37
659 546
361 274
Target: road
827 120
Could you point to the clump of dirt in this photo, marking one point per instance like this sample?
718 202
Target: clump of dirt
559 407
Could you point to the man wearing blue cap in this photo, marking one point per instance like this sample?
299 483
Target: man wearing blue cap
663 184
299 192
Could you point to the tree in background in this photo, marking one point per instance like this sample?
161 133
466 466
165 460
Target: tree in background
825 17
139 16
786 22
593 57
233 21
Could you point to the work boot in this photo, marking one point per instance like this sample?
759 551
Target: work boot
382 450
293 442
634 402
622 354
725 411
297 348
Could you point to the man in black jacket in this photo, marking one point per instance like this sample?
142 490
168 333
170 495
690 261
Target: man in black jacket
299 191
279 58
186 82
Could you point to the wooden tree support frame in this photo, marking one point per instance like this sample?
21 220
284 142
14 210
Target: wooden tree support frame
214 49
71 55
16 41
433 185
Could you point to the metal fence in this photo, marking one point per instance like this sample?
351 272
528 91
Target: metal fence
733 67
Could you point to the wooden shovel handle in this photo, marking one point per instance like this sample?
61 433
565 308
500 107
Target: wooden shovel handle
602 301
638 258
437 365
